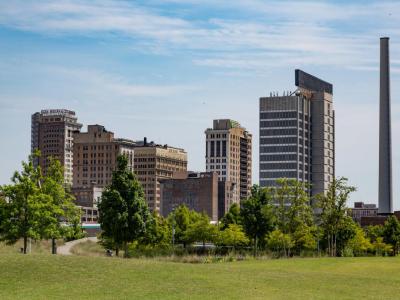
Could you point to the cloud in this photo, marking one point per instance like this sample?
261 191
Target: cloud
272 34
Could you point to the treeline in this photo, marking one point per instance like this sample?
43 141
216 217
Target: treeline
38 207
282 220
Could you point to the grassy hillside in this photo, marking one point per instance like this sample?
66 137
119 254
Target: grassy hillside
43 276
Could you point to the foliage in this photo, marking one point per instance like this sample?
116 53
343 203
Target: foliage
280 242
123 212
381 248
359 243
333 217
180 219
295 214
391 233
158 233
231 217
373 232
257 215
36 207
233 236
202 231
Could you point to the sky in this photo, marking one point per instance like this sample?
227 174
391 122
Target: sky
165 69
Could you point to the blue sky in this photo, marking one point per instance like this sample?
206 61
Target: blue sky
166 69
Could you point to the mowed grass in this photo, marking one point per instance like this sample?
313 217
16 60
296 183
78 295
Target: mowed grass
43 276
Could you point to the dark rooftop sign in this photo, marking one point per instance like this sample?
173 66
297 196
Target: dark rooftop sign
310 82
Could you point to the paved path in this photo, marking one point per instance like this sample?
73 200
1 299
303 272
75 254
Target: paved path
66 248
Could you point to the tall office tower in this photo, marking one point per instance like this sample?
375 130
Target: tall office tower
154 162
95 158
228 152
385 135
52 134
297 135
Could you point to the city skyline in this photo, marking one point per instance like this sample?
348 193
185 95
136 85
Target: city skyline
210 61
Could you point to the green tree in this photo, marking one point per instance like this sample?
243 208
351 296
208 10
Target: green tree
333 216
202 231
391 233
180 219
294 213
257 215
373 232
233 236
381 248
158 233
279 242
123 211
359 244
231 217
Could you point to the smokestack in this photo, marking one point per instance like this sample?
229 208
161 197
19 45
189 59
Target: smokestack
385 138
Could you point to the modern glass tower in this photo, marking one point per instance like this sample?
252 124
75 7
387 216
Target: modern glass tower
297 135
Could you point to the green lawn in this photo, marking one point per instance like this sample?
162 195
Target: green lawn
43 276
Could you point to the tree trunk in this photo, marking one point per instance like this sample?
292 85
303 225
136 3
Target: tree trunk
255 246
125 250
25 243
116 251
53 246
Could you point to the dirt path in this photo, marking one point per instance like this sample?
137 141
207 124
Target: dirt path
66 248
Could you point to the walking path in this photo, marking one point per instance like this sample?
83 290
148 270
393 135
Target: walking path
66 248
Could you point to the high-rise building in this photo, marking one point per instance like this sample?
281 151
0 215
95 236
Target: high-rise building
95 153
52 134
198 191
154 162
228 153
297 135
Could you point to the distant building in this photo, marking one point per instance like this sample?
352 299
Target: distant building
96 153
229 154
297 135
363 210
155 162
52 134
198 191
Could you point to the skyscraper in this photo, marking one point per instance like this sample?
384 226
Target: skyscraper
228 153
52 134
153 162
297 135
385 134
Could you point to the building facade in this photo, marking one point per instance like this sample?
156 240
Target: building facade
96 153
198 191
362 209
52 133
297 135
228 153
154 162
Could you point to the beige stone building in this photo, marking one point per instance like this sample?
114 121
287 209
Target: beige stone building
229 154
153 162
52 134
95 153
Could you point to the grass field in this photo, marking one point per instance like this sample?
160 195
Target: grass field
43 276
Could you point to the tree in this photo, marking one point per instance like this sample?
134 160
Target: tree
391 233
280 242
36 207
333 216
373 232
294 213
123 212
381 248
359 244
158 233
257 215
60 209
180 219
19 209
233 236
202 231
231 217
